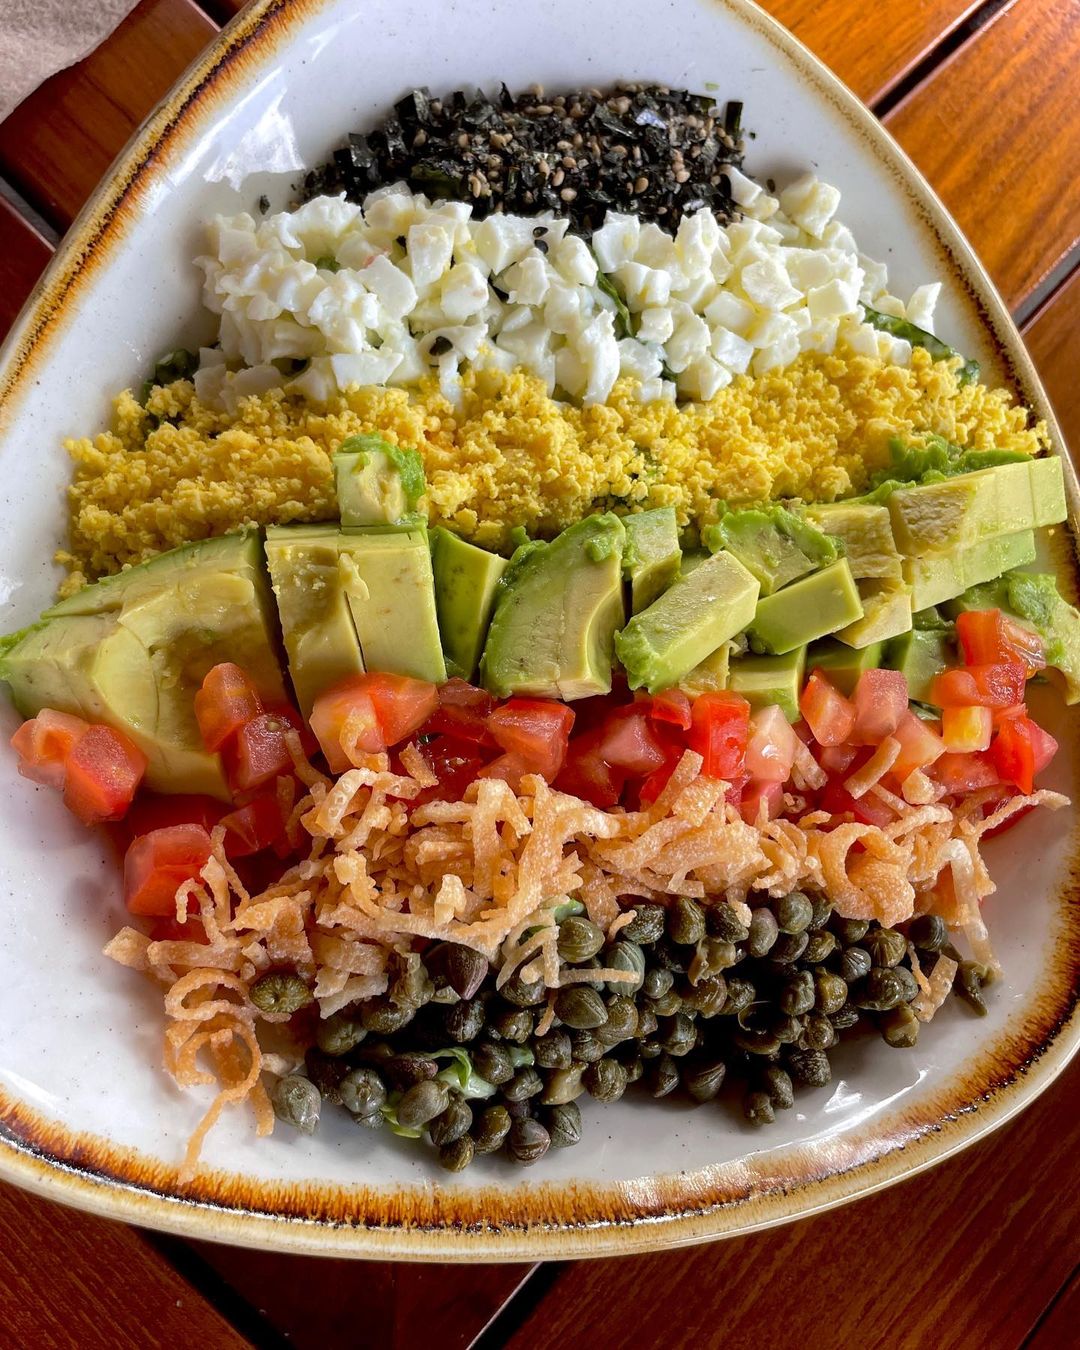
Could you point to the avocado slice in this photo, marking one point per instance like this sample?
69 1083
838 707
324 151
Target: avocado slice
466 581
692 559
697 613
1047 491
774 545
843 664
811 608
865 531
652 558
765 680
886 613
919 656
935 579
391 594
711 675
559 604
377 483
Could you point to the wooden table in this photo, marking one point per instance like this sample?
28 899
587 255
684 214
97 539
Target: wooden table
980 1252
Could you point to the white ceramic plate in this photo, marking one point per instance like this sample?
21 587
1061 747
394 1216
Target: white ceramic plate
88 1116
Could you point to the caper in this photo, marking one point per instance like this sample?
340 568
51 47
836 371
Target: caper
587 1049
280 991
579 938
756 1040
422 1102
403 1070
844 1018
563 1124
657 981
650 1048
849 931
628 957
929 932
908 983
662 1076
881 990
886 946
899 1027
464 1020
462 968
512 1024
521 1110
525 1083
667 1005
721 921
740 994
704 1079
647 924
686 922
457 1154
708 997
764 931
647 1022
297 1101
820 947
383 1017
818 1033
326 1072
562 1085
777 1083
491 1128
671 956
712 956
788 947
830 992
605 1080
493 1063
785 1028
797 993
580 1007
677 1034
362 1091
411 987
855 964
810 1067
523 993
622 1021
968 982
375 1121
553 1050
758 1107
452 1123
338 1033
635 1067
822 913
794 913
528 1141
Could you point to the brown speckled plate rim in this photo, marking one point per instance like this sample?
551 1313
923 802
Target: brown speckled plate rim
549 1220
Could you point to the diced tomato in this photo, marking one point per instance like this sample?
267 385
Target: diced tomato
959 774
158 863
154 811
294 722
1013 753
829 715
718 733
656 782
510 767
462 712
758 793
881 699
44 744
868 809
920 745
670 705
253 827
103 774
1043 746
965 729
770 749
455 763
837 758
994 686
259 754
534 730
628 742
402 704
168 930
588 775
344 721
225 702
990 638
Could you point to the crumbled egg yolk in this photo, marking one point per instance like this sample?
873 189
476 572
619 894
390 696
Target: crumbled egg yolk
510 455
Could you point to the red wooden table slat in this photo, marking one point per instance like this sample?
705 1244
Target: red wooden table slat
68 1279
997 131
1053 338
59 142
1059 1328
968 1254
23 256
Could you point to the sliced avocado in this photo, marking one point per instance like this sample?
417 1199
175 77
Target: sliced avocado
919 656
711 675
692 559
866 533
377 483
697 613
935 579
390 587
811 608
886 613
311 576
843 664
773 545
466 581
652 558
941 517
765 680
1047 491
559 604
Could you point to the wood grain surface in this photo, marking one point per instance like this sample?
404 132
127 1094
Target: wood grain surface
23 256
1053 338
